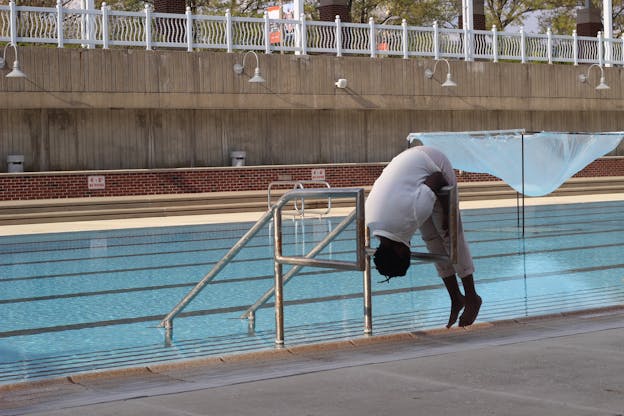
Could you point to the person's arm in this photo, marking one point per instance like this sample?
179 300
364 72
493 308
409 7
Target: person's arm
435 182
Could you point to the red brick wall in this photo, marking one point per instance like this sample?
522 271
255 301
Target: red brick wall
20 186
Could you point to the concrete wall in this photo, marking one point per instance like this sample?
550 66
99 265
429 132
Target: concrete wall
133 109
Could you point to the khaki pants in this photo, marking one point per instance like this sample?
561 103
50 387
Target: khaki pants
436 237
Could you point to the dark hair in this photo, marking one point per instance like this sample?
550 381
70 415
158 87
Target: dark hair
392 258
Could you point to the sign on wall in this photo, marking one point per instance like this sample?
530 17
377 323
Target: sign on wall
318 174
96 182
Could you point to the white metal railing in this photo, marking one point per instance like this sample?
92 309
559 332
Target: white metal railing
108 28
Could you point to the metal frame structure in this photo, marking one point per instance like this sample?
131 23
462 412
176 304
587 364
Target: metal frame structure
361 263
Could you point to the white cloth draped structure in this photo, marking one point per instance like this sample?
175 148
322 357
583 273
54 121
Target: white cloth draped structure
550 158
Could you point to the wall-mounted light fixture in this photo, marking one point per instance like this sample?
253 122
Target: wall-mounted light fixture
602 85
449 81
238 68
341 83
16 72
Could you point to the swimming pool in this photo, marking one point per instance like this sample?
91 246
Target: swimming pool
75 302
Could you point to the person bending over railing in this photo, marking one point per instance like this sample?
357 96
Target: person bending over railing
406 198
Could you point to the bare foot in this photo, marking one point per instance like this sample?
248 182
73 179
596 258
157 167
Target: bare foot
471 311
456 307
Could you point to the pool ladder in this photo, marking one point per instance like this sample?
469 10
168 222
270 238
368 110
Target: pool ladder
300 185
361 263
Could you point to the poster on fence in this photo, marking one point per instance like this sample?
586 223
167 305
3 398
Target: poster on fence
275 33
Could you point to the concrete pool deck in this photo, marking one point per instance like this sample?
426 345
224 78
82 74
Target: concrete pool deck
559 365
564 364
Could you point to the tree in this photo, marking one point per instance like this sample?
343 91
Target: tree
419 12
502 13
560 16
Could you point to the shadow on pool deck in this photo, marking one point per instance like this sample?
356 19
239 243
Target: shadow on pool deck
565 364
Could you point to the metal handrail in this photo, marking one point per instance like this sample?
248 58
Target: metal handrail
275 211
361 263
299 185
250 312
167 321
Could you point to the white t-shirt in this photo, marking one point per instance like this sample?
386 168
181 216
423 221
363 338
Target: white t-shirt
399 202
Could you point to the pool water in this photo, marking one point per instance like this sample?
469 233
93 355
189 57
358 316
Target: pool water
85 301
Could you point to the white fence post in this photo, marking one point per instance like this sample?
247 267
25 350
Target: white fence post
436 38
89 23
228 30
303 35
59 23
466 45
522 46
148 27
622 55
372 38
338 36
84 36
600 50
13 24
575 47
549 45
494 43
404 39
189 30
104 26
267 33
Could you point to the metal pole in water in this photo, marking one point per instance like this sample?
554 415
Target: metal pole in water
368 302
279 295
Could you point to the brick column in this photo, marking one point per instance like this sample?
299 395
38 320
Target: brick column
478 15
170 6
588 21
329 9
